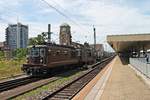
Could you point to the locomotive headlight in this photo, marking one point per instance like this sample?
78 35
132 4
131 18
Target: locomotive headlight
41 60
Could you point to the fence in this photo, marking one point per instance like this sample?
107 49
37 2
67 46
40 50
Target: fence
141 65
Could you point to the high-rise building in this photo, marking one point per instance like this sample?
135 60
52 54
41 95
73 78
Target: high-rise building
17 36
65 35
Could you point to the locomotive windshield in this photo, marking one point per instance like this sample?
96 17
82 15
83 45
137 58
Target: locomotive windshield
34 52
37 52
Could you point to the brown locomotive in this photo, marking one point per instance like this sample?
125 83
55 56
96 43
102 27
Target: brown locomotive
43 59
47 58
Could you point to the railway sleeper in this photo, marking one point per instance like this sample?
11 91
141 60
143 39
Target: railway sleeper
58 99
75 85
14 85
60 96
67 94
69 90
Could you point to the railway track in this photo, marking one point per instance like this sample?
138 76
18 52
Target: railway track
11 94
17 82
11 77
69 90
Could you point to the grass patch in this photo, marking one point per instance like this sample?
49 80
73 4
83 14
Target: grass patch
10 68
63 79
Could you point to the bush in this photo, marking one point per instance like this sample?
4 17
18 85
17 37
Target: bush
1 55
19 54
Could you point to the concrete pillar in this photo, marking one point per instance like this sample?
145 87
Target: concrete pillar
138 52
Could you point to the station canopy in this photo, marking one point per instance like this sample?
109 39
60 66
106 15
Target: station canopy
129 42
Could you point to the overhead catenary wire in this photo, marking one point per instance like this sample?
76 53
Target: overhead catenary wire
63 14
66 11
57 10
51 6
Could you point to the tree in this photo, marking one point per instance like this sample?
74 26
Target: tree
32 41
20 53
41 38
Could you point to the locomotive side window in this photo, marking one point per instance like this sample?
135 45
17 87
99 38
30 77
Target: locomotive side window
42 52
78 52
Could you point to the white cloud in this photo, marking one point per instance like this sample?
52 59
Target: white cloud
114 18
108 16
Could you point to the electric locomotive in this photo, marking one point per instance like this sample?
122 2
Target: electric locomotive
47 58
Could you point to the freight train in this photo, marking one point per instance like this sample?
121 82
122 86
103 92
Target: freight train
47 58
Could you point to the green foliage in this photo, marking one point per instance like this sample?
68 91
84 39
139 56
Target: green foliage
32 41
41 38
9 68
20 53
1 55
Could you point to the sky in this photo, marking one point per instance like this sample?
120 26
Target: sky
108 16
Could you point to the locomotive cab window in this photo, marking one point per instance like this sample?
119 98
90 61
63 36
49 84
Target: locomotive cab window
37 52
42 52
78 52
34 52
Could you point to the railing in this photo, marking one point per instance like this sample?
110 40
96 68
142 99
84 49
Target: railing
141 65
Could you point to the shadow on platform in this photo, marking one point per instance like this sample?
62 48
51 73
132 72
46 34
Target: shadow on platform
124 60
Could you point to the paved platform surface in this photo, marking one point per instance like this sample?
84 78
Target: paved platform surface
87 90
123 84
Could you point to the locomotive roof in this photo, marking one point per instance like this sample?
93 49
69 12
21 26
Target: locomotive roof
37 46
57 45
51 45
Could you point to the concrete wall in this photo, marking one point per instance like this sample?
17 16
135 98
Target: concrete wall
141 65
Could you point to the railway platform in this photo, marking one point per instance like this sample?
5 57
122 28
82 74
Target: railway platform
117 81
